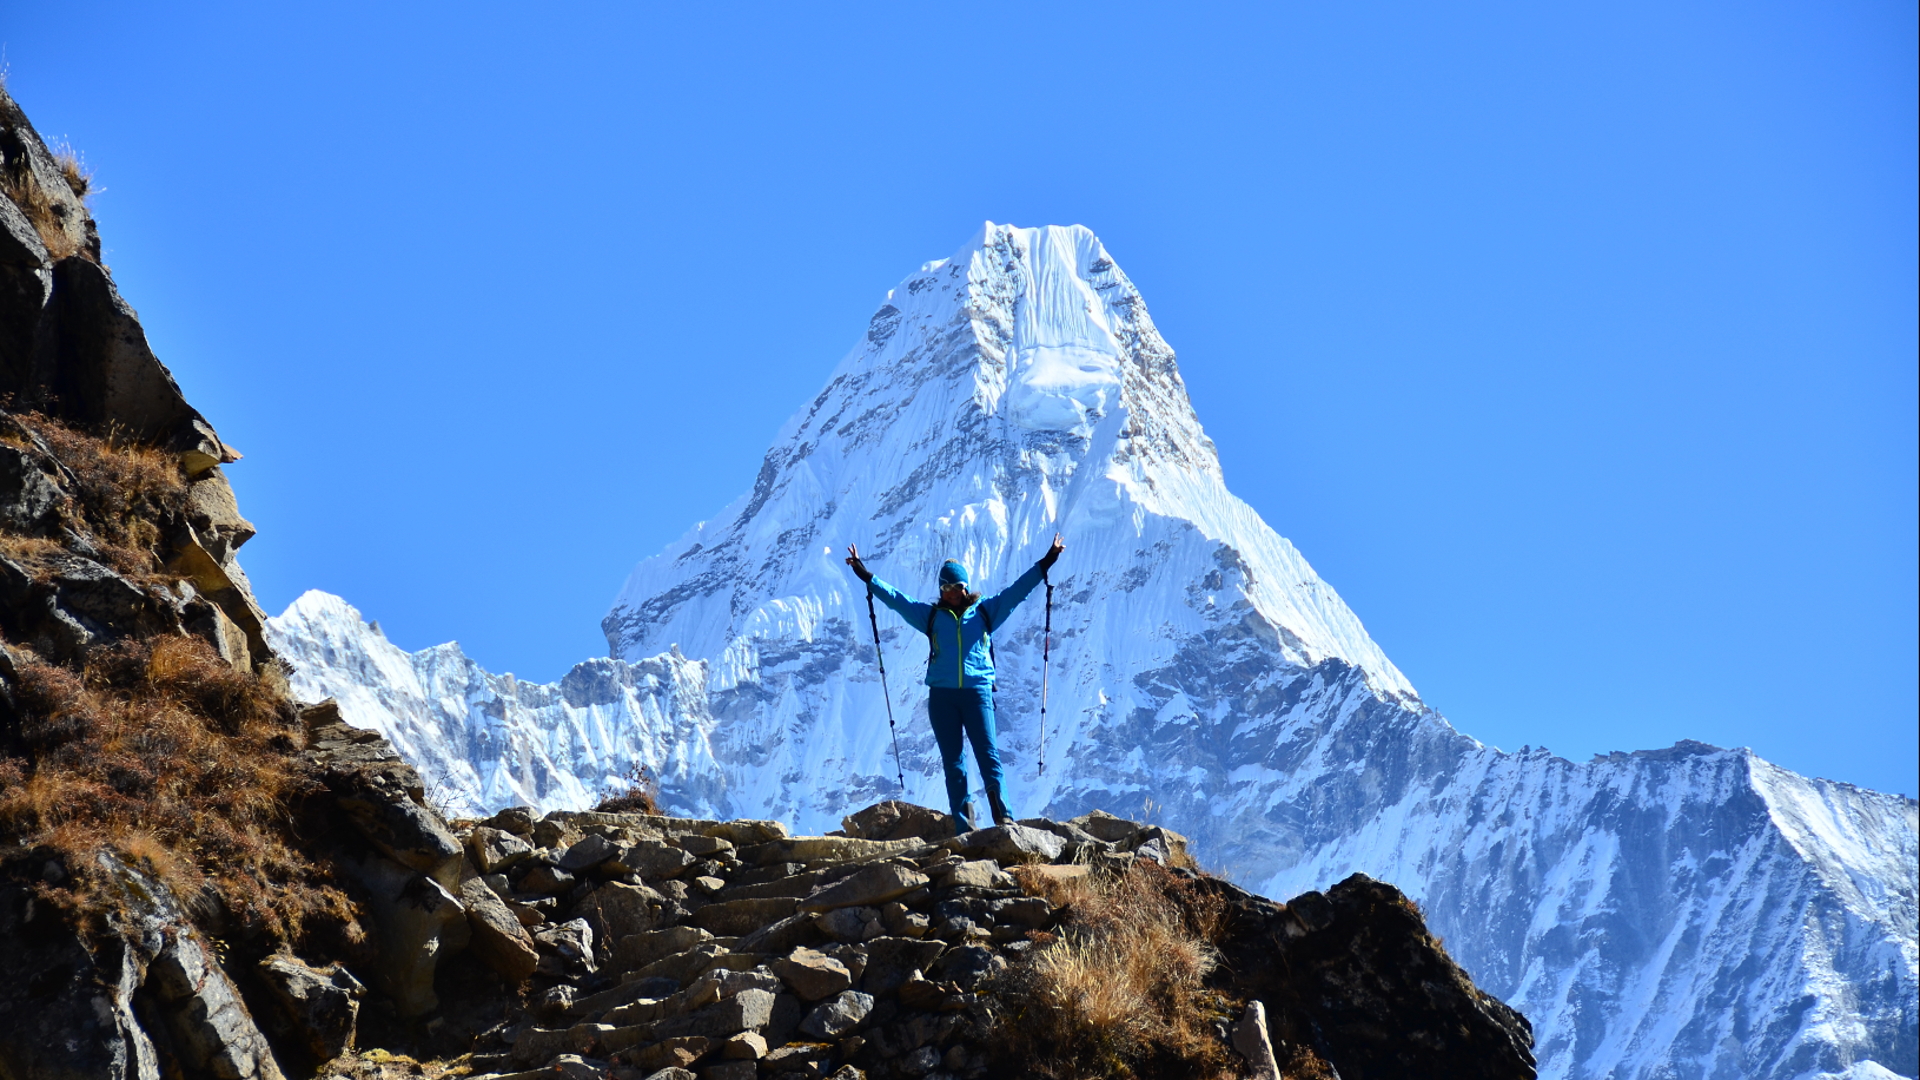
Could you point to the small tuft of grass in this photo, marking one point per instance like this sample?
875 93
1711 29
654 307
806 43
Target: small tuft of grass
73 168
1121 991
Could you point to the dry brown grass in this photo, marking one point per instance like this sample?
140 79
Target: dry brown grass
120 493
641 795
162 752
20 185
73 168
1121 992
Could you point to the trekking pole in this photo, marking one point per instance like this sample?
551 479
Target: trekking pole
1046 649
874 621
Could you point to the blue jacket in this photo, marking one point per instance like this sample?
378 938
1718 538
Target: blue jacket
962 655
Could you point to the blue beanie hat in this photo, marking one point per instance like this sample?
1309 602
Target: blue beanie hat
952 573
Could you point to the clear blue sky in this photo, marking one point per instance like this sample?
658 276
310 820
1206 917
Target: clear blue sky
1574 344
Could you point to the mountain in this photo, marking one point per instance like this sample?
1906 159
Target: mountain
1690 912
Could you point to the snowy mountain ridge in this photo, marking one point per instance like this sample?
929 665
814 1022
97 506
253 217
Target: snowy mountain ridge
1690 912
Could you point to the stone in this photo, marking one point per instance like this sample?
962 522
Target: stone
893 960
812 975
968 965
1029 912
1008 845
493 850
1251 1039
702 846
566 949
829 849
575 1067
1058 872
798 1059
737 917
730 1070
871 885
920 1062
979 873
672 1072
498 938
671 1053
650 859
517 820
617 911
838 1015
322 1005
544 880
636 951
719 984
781 937
851 923
747 1010
587 853
746 1046
1104 826
896 820
417 921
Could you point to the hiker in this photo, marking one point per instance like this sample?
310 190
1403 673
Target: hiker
960 669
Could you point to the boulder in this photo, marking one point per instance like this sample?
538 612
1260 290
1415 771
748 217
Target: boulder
321 1006
618 910
635 951
587 853
566 949
650 859
1251 1039
493 850
416 921
978 873
812 975
897 820
838 1016
498 937
737 917
1008 845
870 886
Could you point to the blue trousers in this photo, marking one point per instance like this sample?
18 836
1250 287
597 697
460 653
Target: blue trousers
969 711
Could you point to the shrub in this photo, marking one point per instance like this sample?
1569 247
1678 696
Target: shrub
1121 991
640 795
120 491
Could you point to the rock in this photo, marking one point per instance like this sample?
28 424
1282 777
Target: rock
321 1005
896 820
781 937
1029 912
544 880
702 846
891 961
650 859
921 1061
1059 872
633 952
730 1070
737 917
1251 1039
870 886
28 499
799 1059
498 937
587 853
828 849
566 949
980 873
812 975
618 910
1104 826
746 1046
671 1053
719 984
494 850
838 1016
851 924
1008 845
673 1073
575 1067
416 921
517 820
967 965
745 1011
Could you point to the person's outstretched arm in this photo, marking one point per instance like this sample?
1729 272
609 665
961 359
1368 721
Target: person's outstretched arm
913 611
1001 604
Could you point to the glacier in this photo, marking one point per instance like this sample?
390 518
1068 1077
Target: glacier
1688 912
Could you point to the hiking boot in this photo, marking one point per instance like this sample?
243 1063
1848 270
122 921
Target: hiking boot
1001 815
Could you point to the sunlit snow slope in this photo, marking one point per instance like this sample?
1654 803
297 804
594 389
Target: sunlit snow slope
1691 912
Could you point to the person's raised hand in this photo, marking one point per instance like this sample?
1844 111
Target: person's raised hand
859 568
1053 553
